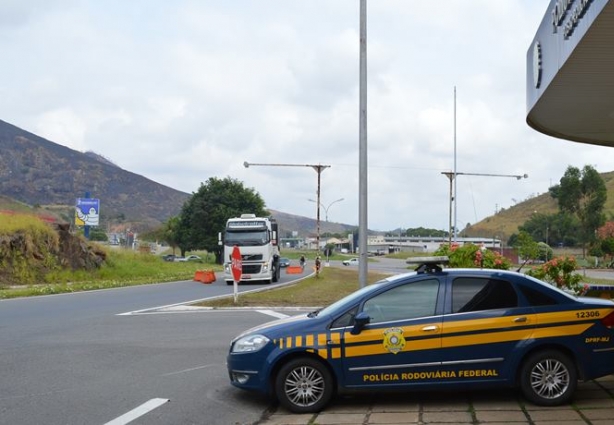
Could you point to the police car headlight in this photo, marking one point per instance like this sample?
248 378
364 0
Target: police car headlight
250 343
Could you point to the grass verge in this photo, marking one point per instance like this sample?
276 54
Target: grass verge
122 268
334 283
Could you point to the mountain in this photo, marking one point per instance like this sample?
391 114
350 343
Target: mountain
41 177
305 226
38 172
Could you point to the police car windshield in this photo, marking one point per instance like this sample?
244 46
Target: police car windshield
350 299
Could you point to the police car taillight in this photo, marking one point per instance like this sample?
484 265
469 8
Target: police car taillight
608 320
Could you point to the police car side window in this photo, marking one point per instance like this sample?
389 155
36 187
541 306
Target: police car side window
346 319
476 294
536 298
410 301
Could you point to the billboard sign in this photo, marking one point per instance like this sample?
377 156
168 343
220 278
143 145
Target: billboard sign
87 212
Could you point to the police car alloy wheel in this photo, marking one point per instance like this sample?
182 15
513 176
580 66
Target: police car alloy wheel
548 378
304 385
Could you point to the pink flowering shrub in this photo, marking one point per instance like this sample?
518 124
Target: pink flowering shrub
560 272
473 256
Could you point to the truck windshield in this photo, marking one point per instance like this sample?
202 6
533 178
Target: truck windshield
246 238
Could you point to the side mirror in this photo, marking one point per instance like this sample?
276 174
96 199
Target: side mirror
360 321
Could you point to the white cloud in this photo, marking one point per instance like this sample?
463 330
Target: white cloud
187 90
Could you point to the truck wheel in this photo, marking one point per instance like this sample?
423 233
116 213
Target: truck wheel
304 385
548 378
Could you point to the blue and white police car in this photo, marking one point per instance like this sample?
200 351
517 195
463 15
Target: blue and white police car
432 328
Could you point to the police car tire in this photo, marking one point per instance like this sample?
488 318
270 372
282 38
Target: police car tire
548 378
305 370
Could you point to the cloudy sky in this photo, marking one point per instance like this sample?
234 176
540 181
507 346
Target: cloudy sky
181 91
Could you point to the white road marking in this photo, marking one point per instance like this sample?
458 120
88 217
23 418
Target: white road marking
273 313
189 370
138 412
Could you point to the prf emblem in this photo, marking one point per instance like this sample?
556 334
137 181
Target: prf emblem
393 340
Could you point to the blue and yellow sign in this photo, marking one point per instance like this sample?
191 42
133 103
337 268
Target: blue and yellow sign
87 212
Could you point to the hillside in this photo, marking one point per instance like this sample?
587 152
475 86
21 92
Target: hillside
503 224
43 178
305 226
41 173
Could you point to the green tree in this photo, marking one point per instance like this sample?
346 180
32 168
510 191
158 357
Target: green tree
527 248
169 232
204 215
582 194
553 229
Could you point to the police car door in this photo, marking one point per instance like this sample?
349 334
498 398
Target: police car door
402 339
486 322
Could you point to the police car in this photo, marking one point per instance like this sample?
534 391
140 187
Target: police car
432 328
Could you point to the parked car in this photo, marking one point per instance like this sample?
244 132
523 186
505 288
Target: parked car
428 329
189 258
284 262
168 257
350 262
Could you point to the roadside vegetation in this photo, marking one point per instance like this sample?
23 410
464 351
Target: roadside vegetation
38 259
121 268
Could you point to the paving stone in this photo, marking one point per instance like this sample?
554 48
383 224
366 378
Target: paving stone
340 419
289 419
599 414
447 417
506 416
554 415
394 418
395 407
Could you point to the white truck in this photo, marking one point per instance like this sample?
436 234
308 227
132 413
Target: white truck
258 241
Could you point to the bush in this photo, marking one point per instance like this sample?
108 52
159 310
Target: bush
560 272
473 256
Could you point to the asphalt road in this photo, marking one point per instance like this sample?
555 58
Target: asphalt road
113 357
88 358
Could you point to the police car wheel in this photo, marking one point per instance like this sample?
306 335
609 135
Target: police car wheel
304 385
548 378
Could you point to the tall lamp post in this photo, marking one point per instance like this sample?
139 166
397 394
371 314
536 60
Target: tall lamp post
318 168
326 208
452 175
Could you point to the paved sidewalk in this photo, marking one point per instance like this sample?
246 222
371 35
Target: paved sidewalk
593 405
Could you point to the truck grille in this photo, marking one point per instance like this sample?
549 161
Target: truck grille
251 268
252 257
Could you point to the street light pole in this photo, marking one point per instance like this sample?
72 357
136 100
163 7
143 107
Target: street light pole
451 175
318 168
326 208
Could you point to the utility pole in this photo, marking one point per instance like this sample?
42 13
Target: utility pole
362 151
318 168
451 175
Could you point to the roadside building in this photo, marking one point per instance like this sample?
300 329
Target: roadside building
570 63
